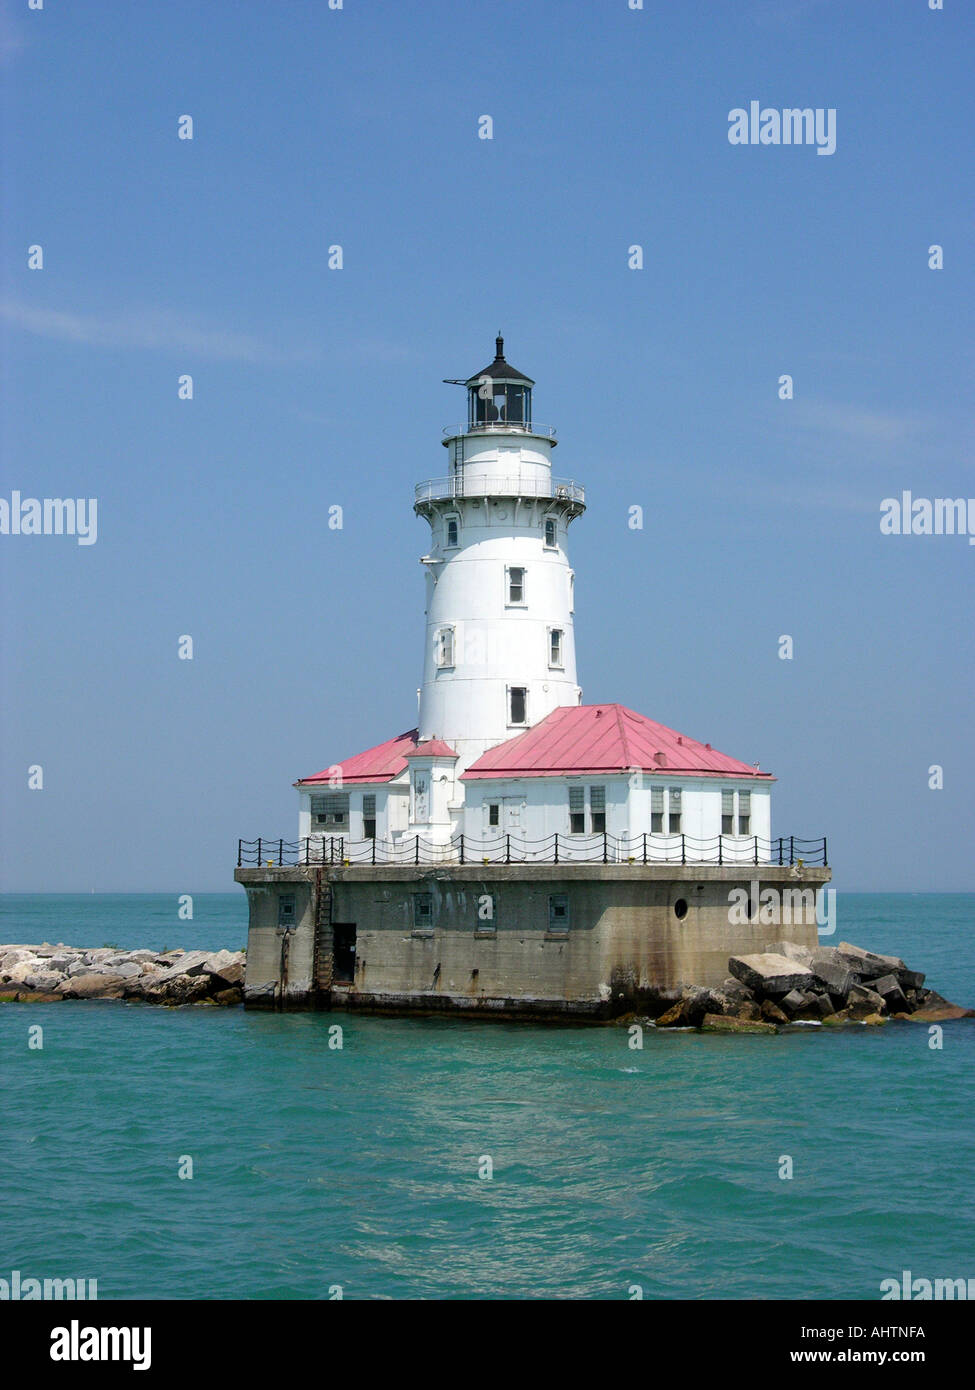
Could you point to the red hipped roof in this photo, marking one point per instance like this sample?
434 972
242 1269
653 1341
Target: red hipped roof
384 762
603 739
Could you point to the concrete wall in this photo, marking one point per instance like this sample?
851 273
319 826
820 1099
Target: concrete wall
624 941
279 964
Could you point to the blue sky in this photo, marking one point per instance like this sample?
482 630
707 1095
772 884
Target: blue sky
315 387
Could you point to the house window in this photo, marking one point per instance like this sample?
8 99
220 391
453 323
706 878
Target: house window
453 530
597 809
733 823
555 646
331 812
286 911
369 816
494 813
423 912
577 810
517 704
558 914
673 809
445 646
656 810
551 533
516 584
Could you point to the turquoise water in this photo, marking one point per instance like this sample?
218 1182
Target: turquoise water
315 1167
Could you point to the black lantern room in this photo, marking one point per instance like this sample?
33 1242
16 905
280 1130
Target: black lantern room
499 396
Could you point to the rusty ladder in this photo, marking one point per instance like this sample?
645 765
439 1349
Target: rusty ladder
324 942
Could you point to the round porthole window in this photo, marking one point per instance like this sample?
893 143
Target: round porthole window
680 909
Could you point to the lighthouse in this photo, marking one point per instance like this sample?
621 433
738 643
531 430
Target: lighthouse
499 653
516 852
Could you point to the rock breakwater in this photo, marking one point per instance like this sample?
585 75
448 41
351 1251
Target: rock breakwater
47 974
831 985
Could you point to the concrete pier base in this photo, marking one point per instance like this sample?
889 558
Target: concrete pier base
573 941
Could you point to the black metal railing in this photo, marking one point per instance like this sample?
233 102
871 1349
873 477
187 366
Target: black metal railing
551 849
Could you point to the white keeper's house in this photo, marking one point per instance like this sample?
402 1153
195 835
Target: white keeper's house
506 761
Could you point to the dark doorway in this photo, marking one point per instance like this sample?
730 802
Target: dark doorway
343 952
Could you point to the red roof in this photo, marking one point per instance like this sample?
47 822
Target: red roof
432 748
603 739
382 763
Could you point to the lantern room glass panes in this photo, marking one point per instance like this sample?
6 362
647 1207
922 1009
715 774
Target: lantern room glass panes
499 403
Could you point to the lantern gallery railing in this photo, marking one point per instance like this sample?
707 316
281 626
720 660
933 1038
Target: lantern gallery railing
507 486
499 426
553 849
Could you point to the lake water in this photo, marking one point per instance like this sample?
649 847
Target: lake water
315 1167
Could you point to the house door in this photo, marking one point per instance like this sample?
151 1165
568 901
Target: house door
343 952
513 824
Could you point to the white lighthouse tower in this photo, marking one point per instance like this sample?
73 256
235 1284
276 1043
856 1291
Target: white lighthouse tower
500 646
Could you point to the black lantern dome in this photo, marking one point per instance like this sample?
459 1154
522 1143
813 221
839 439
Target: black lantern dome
499 395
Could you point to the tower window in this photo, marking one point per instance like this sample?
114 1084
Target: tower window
518 704
555 646
369 816
674 811
331 811
516 584
453 531
572 591
551 537
445 646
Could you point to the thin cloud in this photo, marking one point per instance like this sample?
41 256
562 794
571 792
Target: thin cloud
161 330
868 426
13 40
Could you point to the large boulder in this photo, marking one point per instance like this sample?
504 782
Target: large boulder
836 975
675 1017
720 1023
93 986
793 951
189 963
234 995
795 1001
44 981
867 964
888 987
936 1009
770 973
